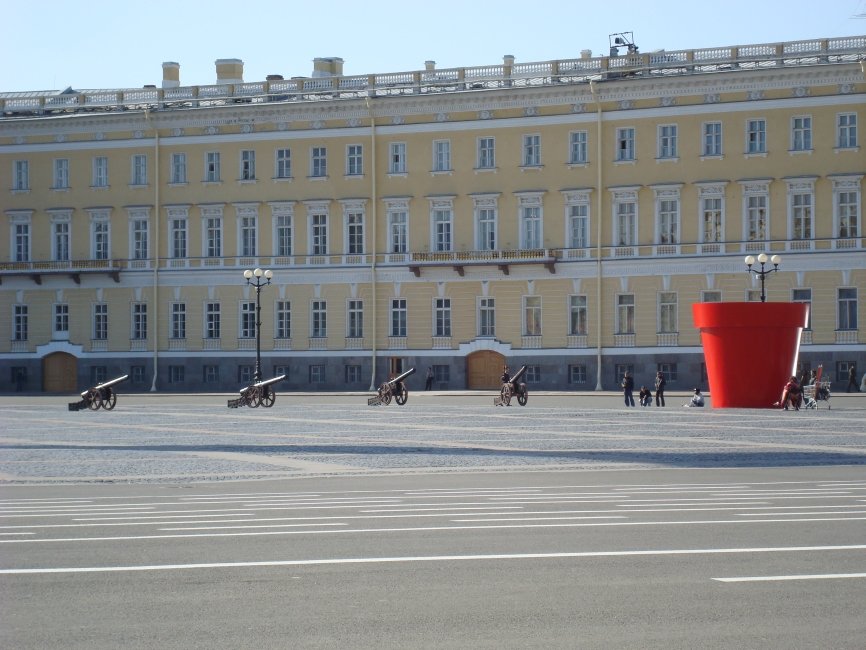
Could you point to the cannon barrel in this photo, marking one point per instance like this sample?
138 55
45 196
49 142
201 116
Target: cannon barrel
518 375
263 383
401 377
106 384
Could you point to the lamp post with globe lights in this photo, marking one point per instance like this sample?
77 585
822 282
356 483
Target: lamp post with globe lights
262 278
762 259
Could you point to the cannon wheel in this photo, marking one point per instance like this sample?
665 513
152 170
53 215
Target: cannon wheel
94 400
523 397
268 397
402 394
385 394
253 398
109 400
505 395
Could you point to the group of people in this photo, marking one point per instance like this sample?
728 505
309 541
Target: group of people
645 396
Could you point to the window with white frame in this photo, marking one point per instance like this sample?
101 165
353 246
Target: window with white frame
667 141
283 164
711 296
247 329
756 136
577 373
212 323
317 373
61 318
319 162
212 172
667 302
176 374
756 205
354 160
210 373
532 150
486 220
753 295
711 139
442 317
442 228
178 236
625 219
668 206
100 236
804 296
248 224
398 317
139 169
283 316
177 174
318 319
846 130
139 321
397 230
21 323
441 155
61 174
138 230
486 153
397 158
711 219
99 176
625 313
353 373
20 227
532 315
355 319
284 234
354 231
319 233
577 148
60 237
577 219
577 315
486 317
625 144
801 212
248 165
213 235
846 198
801 133
530 226
847 308
177 327
21 175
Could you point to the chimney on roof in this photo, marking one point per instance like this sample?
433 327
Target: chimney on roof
327 66
429 65
229 71
170 74
586 54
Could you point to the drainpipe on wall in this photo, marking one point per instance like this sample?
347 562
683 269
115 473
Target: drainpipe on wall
598 199
155 327
375 220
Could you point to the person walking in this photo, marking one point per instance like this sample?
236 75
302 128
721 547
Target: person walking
660 388
852 379
428 385
628 388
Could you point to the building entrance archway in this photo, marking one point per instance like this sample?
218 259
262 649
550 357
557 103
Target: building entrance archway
59 373
483 370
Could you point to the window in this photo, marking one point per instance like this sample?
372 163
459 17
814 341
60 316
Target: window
398 317
578 225
626 223
283 163
619 371
801 215
801 133
177 175
532 315
136 374
355 233
21 322
213 234
139 170
100 321
60 240
317 373
756 223
397 231
21 175
668 220
577 148
319 233
98 374
246 374
847 308
319 162
848 214
441 374
318 319
486 153
711 296
441 155
248 320
625 144
100 172
442 317
625 313
178 320
283 314
753 295
577 316
667 311
139 321
21 240
354 160
711 210
248 165
176 374
530 226
61 174
397 158
712 139
532 150
100 239
355 319
353 374
804 296
212 320
846 130
284 235
486 317
667 141
442 230
249 225
669 370
212 173
842 370
210 374
486 220
139 231
533 374
177 227
756 136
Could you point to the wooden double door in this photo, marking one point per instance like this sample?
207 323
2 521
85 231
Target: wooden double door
483 369
60 373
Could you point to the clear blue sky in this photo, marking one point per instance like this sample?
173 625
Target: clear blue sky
52 44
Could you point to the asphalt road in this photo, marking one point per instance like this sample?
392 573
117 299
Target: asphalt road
447 523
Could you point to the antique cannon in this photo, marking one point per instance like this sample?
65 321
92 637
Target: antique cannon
511 388
392 388
257 394
102 395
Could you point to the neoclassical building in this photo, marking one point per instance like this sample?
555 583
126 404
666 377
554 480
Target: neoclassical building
563 215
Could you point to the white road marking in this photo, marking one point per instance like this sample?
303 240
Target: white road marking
817 576
434 558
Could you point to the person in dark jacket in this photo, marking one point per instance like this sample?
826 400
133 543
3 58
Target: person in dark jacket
660 388
628 388
645 396
852 379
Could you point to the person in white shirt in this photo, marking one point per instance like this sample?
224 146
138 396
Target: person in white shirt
697 399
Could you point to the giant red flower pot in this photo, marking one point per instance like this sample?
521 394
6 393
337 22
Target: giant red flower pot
750 349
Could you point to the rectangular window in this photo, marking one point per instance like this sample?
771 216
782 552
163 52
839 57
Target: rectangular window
486 317
178 238
486 219
848 208
21 323
846 130
21 175
530 227
441 374
213 232
753 295
100 321
577 374
532 315
578 225
669 210
397 158
804 296
212 317
319 244
317 373
397 231
248 165
176 374
284 235
210 374
398 317
711 209
712 139
441 230
756 224
101 242
625 313
668 370
442 317
100 171
318 319
626 223
283 314
441 155
283 163
61 174
249 240
177 175
212 173
486 153
533 374
246 374
756 136
98 374
248 320
22 242
353 374
801 214
139 321
577 316
667 141
178 320
354 160
355 233
801 133
137 374
577 147
139 170
625 144
355 319
847 308
667 312
139 239
318 162
531 150
711 296
61 241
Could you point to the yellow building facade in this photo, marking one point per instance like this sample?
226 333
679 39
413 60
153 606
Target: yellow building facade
562 215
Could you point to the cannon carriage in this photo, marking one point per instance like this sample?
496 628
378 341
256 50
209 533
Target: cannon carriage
513 388
392 389
102 395
261 393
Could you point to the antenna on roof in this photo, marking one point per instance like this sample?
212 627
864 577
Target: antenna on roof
622 39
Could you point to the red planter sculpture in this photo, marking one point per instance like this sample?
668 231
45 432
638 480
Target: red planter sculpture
750 348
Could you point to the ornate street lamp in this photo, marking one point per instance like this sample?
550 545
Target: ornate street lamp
258 284
762 258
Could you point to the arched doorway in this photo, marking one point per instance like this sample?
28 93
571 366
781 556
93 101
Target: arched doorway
59 373
483 369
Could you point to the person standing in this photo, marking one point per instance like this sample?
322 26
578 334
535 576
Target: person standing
628 388
428 385
852 379
660 388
